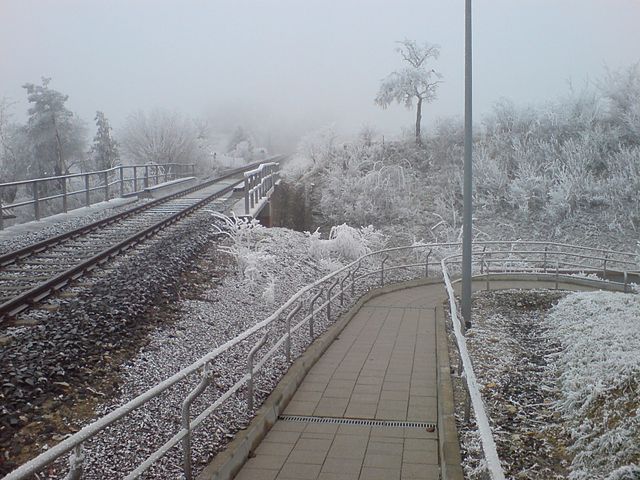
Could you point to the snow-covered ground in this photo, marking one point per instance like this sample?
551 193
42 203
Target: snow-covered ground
598 377
560 380
227 303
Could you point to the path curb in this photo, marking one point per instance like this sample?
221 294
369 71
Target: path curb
229 462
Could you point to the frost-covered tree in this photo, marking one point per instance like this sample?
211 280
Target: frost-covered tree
104 151
161 137
238 137
621 90
56 135
14 152
415 82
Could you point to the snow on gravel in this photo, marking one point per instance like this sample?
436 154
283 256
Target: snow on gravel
229 307
48 230
508 357
598 372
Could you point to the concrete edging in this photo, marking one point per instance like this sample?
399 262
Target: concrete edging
229 462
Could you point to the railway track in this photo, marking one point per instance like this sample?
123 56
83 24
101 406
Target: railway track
30 274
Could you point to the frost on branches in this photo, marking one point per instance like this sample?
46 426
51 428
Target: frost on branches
345 244
246 237
598 375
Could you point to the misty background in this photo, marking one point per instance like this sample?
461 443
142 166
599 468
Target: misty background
285 67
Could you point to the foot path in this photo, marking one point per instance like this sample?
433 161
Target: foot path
368 409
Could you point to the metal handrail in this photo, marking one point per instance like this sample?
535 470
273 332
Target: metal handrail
257 184
152 172
363 263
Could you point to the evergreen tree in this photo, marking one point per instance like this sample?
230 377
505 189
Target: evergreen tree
55 134
104 150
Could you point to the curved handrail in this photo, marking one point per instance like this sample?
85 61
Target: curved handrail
94 428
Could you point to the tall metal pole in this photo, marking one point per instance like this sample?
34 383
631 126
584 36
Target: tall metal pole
468 168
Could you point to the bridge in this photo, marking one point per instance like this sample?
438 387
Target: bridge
31 273
367 389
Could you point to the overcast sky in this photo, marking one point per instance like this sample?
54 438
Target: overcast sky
303 62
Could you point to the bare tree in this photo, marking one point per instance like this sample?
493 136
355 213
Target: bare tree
416 81
161 137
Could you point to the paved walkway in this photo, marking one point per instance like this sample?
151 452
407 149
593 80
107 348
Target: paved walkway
383 366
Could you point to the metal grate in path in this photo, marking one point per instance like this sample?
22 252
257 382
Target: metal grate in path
431 427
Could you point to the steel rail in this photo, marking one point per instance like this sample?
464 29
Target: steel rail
38 247
46 288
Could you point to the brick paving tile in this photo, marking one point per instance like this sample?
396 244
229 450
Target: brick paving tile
382 366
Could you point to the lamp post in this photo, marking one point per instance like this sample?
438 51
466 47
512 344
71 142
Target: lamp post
468 167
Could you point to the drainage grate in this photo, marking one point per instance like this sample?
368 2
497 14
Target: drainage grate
357 421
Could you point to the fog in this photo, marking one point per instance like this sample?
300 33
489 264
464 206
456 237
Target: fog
287 65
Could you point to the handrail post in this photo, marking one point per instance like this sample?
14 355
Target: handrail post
386 257
65 204
36 200
311 315
557 272
426 264
329 298
544 263
156 177
487 269
146 176
1 212
288 342
626 281
207 378
135 178
76 462
106 186
342 287
246 195
353 278
482 261
604 266
252 354
121 181
87 192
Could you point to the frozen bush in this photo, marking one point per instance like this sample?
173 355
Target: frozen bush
345 243
245 237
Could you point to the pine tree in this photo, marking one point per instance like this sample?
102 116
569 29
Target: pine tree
105 149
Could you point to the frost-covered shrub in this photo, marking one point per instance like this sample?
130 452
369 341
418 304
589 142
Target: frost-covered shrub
345 243
245 237
621 91
490 179
529 191
361 191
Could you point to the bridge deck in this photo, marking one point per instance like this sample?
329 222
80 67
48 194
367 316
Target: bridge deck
383 366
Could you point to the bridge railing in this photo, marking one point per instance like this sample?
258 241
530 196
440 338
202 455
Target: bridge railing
258 183
278 339
91 187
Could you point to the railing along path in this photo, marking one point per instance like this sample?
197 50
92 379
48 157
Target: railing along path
32 273
312 305
90 187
